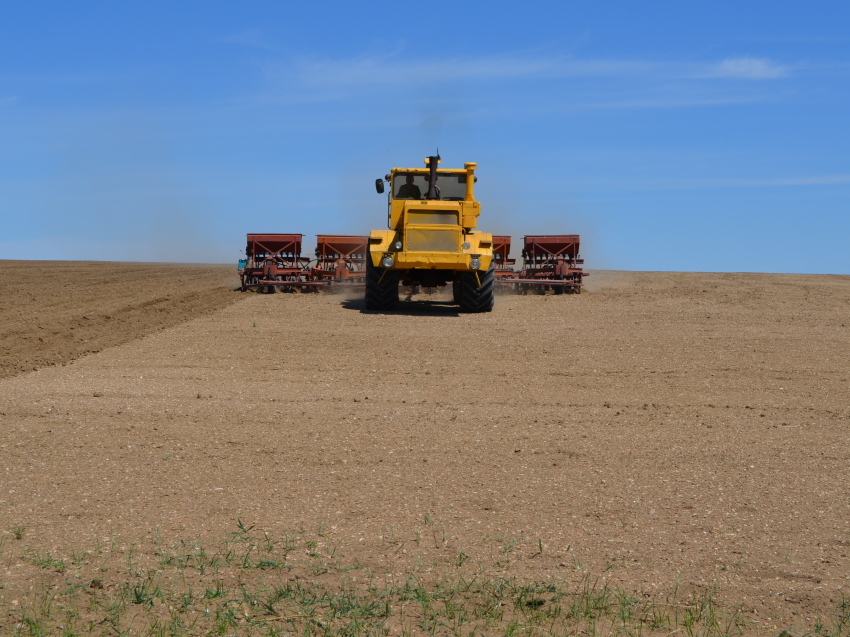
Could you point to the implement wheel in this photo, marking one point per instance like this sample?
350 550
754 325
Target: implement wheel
381 287
475 298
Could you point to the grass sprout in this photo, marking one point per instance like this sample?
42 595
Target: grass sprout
250 583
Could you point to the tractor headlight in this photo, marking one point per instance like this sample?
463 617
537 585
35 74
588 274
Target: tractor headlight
475 263
466 245
387 261
397 245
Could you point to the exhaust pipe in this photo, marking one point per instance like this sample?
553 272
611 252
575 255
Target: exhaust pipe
433 160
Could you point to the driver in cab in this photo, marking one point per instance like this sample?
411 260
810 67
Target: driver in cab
409 190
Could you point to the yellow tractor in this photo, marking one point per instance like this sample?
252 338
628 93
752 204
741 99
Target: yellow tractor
431 239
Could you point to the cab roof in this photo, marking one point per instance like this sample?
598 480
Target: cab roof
427 170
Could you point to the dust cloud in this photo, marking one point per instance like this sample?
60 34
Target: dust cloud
120 194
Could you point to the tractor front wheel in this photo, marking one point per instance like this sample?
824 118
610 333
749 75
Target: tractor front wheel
381 287
474 297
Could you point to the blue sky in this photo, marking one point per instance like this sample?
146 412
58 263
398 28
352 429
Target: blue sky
672 136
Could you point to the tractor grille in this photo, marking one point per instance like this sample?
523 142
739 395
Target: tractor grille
432 240
422 217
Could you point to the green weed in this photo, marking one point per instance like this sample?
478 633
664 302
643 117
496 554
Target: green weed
47 561
245 584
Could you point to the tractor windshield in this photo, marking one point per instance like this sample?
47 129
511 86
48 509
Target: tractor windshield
452 187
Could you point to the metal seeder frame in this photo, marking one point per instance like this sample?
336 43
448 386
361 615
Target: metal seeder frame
549 262
274 261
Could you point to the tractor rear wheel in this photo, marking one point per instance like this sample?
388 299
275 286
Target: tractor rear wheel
381 287
474 297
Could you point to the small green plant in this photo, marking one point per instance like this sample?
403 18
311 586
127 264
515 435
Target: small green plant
461 558
509 546
142 593
47 561
174 589
78 557
539 548
18 532
216 592
244 530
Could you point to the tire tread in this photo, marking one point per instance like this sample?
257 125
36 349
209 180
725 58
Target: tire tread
474 298
381 295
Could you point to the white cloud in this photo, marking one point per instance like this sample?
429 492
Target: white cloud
747 68
825 180
8 100
371 71
365 73
709 184
555 82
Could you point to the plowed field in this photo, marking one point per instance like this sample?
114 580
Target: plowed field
659 427
54 312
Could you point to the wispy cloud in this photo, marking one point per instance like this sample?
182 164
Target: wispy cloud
796 39
747 68
559 82
70 79
368 72
822 180
709 184
8 100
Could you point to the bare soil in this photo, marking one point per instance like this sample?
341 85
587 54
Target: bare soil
658 428
52 312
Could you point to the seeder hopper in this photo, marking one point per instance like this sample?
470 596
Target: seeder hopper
340 258
501 257
274 261
550 262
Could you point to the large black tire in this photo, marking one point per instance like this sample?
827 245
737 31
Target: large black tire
475 298
381 293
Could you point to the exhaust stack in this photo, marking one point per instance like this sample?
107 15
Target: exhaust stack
470 167
432 162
